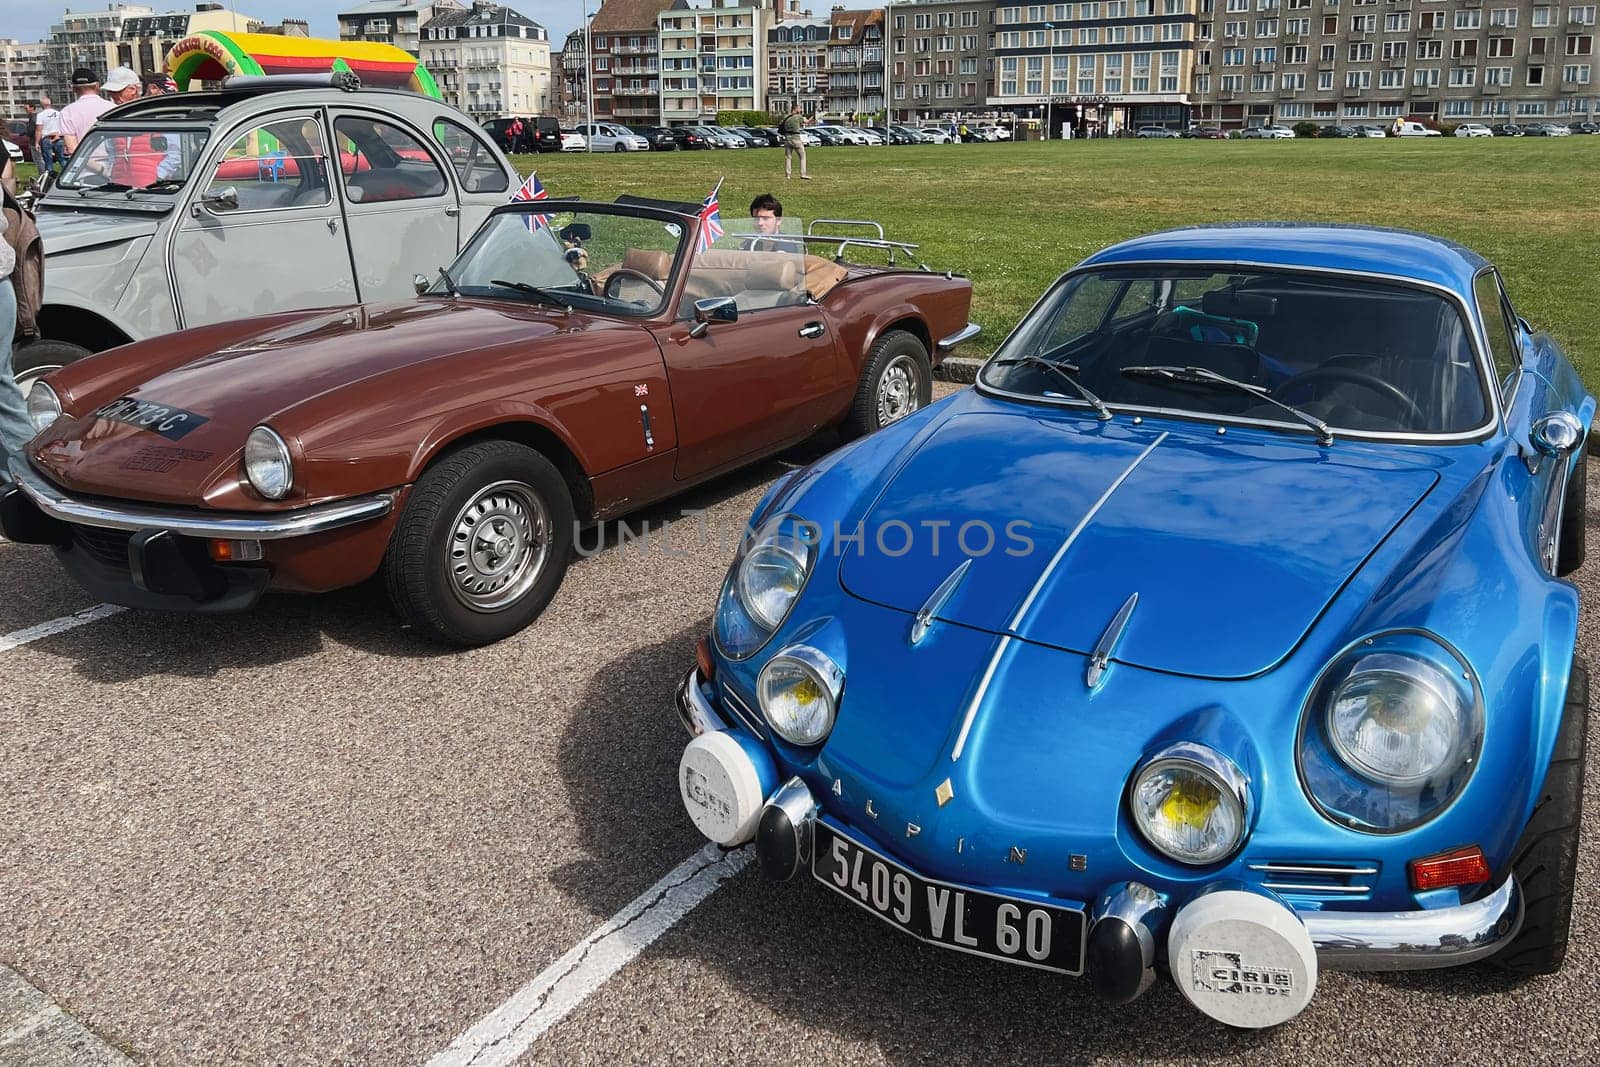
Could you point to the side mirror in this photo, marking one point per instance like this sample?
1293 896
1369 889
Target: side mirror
222 200
713 309
420 284
1557 433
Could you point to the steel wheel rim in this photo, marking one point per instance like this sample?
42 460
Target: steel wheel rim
898 390
499 543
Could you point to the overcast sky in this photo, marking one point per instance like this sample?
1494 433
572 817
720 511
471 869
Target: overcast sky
30 20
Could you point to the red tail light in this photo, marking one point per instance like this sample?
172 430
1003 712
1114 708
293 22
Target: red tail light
1459 866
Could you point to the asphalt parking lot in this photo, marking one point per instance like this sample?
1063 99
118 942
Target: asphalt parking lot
302 835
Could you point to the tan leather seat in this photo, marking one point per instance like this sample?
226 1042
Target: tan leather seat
822 275
651 264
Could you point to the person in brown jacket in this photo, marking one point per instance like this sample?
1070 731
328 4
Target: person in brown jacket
15 428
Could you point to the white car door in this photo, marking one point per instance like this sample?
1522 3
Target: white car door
481 172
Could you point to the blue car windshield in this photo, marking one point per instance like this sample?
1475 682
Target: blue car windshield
1361 355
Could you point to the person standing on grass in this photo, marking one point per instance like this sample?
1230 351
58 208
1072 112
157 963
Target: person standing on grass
50 148
793 129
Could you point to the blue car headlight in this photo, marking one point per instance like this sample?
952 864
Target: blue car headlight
1391 733
799 691
772 567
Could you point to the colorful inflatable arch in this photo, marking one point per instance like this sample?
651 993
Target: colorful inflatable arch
212 55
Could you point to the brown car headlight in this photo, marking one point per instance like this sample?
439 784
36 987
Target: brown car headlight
44 407
267 463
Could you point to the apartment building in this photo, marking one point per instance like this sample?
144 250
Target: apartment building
623 61
24 76
797 63
855 64
396 22
941 59
1096 66
574 78
711 59
128 35
490 61
1366 61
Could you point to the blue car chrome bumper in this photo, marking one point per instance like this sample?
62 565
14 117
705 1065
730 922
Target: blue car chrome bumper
1129 920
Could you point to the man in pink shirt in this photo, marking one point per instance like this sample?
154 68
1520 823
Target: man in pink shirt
78 117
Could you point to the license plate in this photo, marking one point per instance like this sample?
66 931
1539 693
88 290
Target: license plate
967 920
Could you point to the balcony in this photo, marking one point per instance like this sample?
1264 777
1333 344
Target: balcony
634 50
1569 85
1351 93
1226 94
1425 32
1266 67
1397 63
1326 64
1487 89
1288 94
651 90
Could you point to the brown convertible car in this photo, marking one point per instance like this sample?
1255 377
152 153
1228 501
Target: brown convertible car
577 361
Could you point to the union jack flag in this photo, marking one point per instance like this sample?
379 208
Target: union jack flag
532 190
710 221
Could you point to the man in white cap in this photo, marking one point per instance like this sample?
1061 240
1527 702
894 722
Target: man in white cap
78 117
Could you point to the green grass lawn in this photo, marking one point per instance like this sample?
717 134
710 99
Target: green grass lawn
1013 217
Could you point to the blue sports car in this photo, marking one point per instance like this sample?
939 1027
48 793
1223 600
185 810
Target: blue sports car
1220 626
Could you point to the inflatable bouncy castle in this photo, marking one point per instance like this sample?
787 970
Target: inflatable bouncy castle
212 55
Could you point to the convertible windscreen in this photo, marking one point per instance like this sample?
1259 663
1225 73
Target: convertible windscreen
1299 349
587 259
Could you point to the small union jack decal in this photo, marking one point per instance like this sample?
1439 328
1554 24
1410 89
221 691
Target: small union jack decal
641 390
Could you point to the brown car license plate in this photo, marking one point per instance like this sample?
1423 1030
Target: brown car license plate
1005 928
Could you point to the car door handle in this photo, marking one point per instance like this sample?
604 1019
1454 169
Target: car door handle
452 211
333 225
813 329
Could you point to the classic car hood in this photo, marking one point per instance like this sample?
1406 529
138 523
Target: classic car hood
73 231
1233 544
199 413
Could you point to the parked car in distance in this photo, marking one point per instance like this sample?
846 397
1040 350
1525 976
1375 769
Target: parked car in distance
769 135
1370 131
1546 129
1508 129
319 447
244 218
1206 133
660 137
573 141
719 137
1584 127
1268 133
542 133
1473 129
611 137
1409 128
826 135
841 134
935 135
1337 131
1159 132
995 133
810 139
689 137
894 135
17 133
1150 717
750 137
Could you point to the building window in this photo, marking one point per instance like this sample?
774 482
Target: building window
1530 107
1575 73
1425 78
1394 50
1497 75
1464 49
1458 109
1582 16
1397 22
1355 111
1324 80
1358 79
1469 18
1580 45
1392 78
1462 76
1361 52
1535 75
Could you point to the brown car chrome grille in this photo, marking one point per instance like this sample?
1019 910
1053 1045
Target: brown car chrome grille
109 547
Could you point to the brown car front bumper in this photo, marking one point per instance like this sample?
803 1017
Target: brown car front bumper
153 557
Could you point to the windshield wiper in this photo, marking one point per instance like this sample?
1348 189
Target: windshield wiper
1198 375
108 187
449 282
1064 372
534 291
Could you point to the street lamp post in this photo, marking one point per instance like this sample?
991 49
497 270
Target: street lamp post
1049 80
588 75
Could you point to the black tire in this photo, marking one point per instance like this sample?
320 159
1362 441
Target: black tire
619 148
421 567
38 358
1545 860
1574 519
902 351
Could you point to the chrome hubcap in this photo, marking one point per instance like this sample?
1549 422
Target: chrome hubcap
898 390
498 546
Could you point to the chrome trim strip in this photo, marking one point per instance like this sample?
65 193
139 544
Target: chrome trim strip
966 333
1332 869
268 526
753 722
1487 380
1016 620
936 602
1416 940
694 710
1049 568
1100 658
1293 887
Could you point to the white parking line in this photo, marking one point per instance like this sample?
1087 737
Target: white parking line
58 626
512 1028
